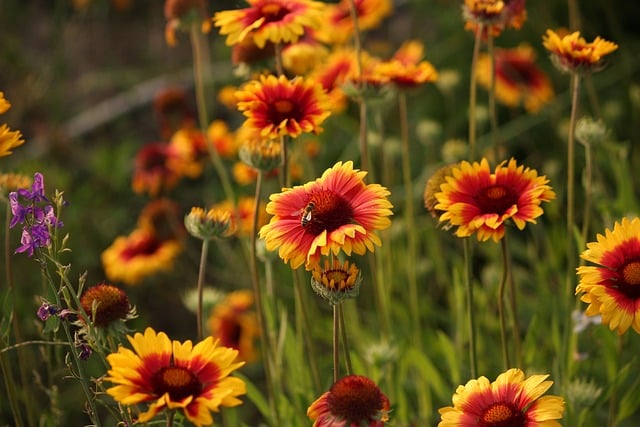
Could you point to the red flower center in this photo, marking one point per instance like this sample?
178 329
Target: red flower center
501 415
178 382
273 12
326 211
147 246
281 110
356 399
631 273
496 199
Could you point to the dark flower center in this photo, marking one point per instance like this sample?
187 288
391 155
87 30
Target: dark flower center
283 109
496 199
230 331
326 211
356 399
337 276
152 157
147 246
111 304
518 71
178 382
501 415
629 285
273 12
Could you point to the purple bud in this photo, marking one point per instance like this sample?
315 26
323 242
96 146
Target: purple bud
84 351
46 310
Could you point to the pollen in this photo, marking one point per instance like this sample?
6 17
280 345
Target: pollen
497 414
631 273
283 106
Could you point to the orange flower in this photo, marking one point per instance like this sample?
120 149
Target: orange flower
339 25
234 323
611 286
352 401
242 213
494 15
517 78
406 69
275 21
511 400
278 106
571 53
478 201
153 171
141 254
336 212
171 375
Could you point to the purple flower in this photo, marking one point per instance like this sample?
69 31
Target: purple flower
47 310
33 209
84 351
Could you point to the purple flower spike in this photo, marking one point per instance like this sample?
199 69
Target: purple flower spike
84 351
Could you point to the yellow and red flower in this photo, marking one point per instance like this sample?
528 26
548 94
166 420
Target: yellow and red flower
406 69
352 401
478 201
173 375
518 81
611 287
511 400
275 21
304 55
336 212
494 15
155 169
277 106
233 321
572 53
141 254
8 139
339 25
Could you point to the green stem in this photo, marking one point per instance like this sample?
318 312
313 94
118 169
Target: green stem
493 115
11 390
257 295
345 341
201 273
513 304
613 400
336 343
570 249
587 192
473 359
501 308
200 63
306 329
473 93
170 415
409 216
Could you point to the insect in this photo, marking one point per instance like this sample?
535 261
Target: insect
306 214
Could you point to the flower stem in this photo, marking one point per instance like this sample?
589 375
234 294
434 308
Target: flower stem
493 115
588 171
570 256
473 93
336 343
201 270
345 341
257 295
501 308
409 217
473 360
200 52
11 390
170 415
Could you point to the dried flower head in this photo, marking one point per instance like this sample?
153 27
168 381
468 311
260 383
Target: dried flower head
105 304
